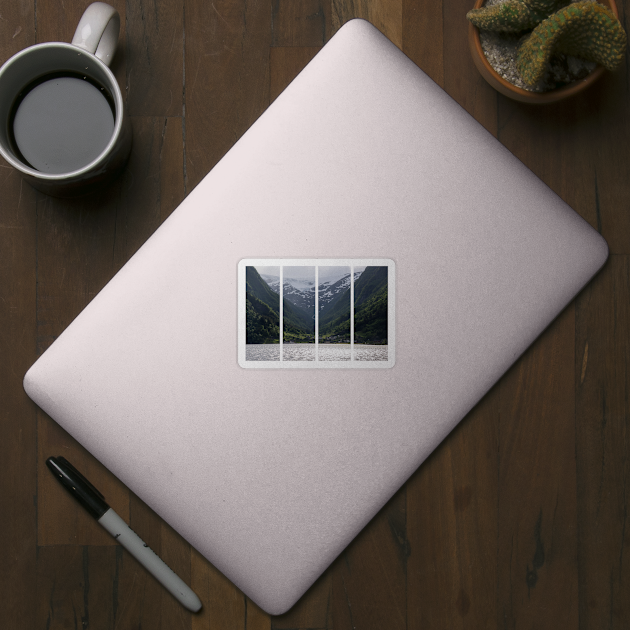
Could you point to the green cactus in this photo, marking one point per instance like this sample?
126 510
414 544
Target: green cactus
583 29
513 16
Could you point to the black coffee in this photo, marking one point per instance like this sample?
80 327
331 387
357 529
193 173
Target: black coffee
62 123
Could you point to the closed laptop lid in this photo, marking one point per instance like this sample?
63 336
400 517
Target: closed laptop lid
317 315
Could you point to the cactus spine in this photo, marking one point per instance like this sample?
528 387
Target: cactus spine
513 16
583 29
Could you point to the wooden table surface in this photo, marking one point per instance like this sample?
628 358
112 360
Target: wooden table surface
518 520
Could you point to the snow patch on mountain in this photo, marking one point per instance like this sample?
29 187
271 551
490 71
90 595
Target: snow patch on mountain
301 292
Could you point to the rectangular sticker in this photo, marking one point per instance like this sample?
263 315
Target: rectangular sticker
316 313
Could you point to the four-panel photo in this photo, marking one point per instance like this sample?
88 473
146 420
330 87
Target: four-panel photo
317 313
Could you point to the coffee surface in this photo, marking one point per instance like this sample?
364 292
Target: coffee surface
62 124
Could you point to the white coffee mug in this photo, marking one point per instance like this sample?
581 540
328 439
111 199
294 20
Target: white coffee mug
61 106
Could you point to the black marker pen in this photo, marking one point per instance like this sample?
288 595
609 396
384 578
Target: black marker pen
94 502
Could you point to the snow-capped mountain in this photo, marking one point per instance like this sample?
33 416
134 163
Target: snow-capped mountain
330 291
301 292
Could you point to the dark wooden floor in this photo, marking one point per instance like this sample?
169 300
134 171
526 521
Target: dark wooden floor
518 520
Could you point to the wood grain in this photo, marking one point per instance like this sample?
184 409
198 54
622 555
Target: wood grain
154 57
18 416
76 587
602 381
300 23
537 537
452 526
226 78
369 577
422 36
461 79
518 520
18 325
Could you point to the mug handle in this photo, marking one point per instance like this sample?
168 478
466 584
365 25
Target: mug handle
98 30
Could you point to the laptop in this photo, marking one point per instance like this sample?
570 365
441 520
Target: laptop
316 316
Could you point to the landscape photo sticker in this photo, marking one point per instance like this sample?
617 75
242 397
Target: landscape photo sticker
317 313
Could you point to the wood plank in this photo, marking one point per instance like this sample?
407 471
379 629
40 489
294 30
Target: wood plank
154 57
18 415
171 159
461 78
369 586
76 587
452 527
386 15
18 419
607 120
226 78
608 126
557 148
17 28
603 443
423 36
300 23
537 537
255 618
57 22
224 606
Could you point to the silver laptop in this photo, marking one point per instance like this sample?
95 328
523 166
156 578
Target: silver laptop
317 315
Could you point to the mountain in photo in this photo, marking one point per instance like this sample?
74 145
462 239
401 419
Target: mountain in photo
262 319
370 306
370 309
330 292
263 312
301 293
334 303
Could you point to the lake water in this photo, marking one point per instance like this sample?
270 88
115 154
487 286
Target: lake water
370 353
334 352
298 352
262 352
306 352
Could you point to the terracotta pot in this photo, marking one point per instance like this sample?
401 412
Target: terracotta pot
508 89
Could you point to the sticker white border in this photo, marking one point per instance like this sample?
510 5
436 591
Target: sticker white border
319 262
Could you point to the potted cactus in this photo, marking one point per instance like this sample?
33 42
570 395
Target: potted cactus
557 49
